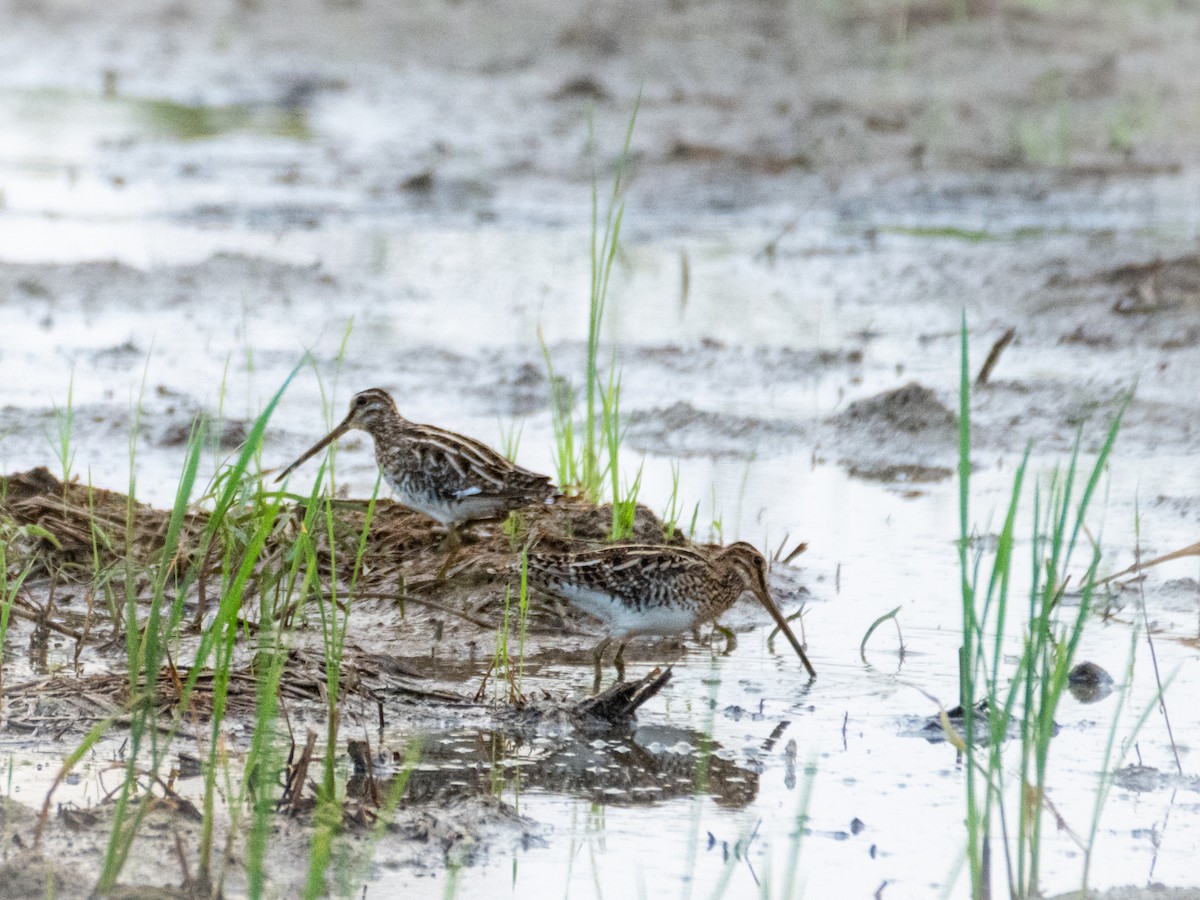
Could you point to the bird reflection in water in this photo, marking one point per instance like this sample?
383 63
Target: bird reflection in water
654 764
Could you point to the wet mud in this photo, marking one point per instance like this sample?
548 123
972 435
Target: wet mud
424 674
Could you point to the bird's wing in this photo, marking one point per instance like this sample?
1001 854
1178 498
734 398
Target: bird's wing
462 467
623 571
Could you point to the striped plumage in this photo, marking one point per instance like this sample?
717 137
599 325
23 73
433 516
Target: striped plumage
641 589
446 476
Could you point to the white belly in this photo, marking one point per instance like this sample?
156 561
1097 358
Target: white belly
436 511
624 620
449 512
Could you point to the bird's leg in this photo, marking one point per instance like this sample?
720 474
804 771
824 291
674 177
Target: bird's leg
619 662
597 659
479 694
559 610
514 692
730 638
451 544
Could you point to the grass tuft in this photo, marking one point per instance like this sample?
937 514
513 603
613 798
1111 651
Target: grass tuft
587 455
1049 642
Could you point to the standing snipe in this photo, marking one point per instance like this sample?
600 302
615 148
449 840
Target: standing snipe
448 477
638 589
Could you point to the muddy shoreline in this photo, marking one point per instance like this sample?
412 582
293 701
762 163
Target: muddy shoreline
415 660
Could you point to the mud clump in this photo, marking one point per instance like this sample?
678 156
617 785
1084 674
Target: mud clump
905 434
914 409
1089 683
231 434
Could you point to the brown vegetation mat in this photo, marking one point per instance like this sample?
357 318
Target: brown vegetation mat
79 529
79 526
74 539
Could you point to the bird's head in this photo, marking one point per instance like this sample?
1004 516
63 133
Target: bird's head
747 566
370 410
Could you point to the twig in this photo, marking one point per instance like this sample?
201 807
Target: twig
1162 700
295 786
993 357
87 628
202 586
479 694
796 551
1191 550
187 877
38 616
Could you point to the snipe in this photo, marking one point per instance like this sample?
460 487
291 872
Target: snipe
446 476
644 589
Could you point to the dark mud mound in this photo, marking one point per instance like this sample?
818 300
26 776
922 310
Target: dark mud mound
681 430
906 434
1089 683
912 409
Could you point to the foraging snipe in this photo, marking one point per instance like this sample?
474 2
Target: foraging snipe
448 477
638 589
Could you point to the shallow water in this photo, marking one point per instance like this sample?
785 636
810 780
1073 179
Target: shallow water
206 269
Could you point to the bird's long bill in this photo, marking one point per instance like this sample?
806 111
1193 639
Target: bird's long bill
765 599
317 448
